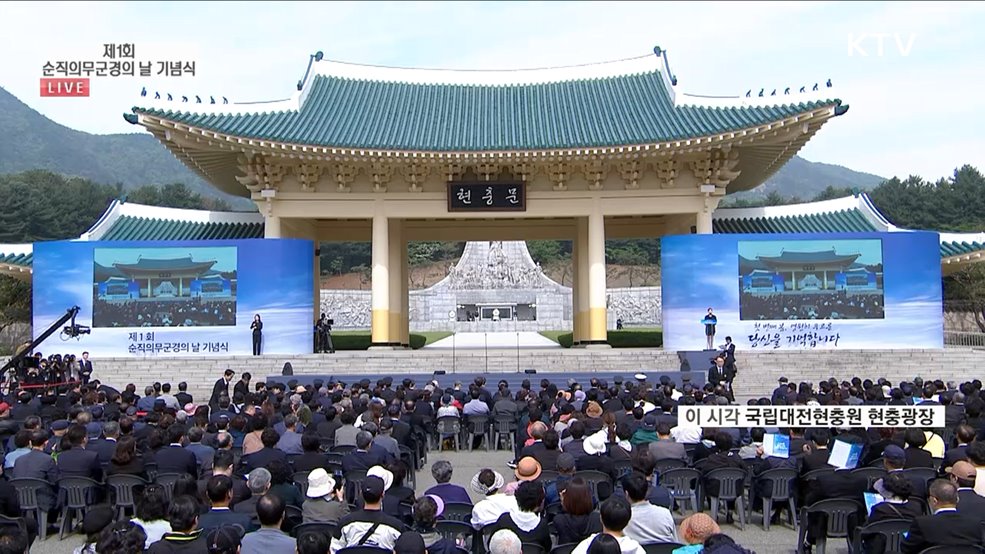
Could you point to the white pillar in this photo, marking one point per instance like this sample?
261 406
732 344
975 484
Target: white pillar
395 247
404 297
703 224
271 227
381 280
580 260
575 283
597 333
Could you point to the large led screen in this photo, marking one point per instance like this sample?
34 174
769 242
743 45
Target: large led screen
178 298
803 291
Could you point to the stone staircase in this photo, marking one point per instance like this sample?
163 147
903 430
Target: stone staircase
758 371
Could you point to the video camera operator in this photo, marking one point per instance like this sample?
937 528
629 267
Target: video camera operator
323 335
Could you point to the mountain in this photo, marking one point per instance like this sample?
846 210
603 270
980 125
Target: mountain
30 140
803 179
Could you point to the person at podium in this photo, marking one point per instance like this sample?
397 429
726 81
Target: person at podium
710 321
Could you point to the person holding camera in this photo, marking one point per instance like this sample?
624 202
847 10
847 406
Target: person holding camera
323 329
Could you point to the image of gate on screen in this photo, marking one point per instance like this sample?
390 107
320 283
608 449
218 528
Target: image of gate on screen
164 287
811 279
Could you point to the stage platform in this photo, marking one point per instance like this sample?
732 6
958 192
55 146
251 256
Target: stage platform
696 378
758 370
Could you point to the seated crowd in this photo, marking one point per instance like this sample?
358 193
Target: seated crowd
331 466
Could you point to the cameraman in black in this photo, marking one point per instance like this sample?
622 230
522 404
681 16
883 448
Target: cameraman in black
323 330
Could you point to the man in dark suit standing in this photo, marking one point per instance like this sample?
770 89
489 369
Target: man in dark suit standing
243 385
946 527
221 388
85 368
729 353
175 458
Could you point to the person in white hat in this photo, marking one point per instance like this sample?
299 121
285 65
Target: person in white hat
489 483
324 503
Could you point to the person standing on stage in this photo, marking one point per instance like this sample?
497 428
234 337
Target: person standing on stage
221 388
710 322
257 327
324 329
729 353
85 368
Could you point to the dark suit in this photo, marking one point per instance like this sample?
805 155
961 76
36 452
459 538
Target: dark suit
260 458
816 459
78 462
310 461
175 459
362 460
946 528
952 455
716 375
104 448
220 388
971 503
240 491
953 415
718 460
885 510
38 465
221 517
241 388
729 354
85 370
183 398
917 457
666 449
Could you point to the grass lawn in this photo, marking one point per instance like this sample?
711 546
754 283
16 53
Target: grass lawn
626 338
360 340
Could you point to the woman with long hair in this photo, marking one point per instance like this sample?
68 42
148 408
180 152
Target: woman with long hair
125 460
576 522
257 327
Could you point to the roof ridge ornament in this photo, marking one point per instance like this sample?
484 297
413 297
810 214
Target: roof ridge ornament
316 57
661 53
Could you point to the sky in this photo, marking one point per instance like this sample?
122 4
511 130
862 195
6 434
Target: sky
224 256
869 250
917 106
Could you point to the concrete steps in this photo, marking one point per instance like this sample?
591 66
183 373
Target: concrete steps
758 371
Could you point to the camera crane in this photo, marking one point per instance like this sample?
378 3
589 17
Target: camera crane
72 330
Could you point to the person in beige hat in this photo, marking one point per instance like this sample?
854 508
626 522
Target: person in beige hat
324 502
963 475
527 469
695 529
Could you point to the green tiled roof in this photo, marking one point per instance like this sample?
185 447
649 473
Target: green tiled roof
846 221
140 228
612 111
955 248
17 259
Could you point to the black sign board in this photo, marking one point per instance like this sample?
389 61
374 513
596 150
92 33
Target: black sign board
489 197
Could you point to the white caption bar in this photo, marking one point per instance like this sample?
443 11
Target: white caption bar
811 416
